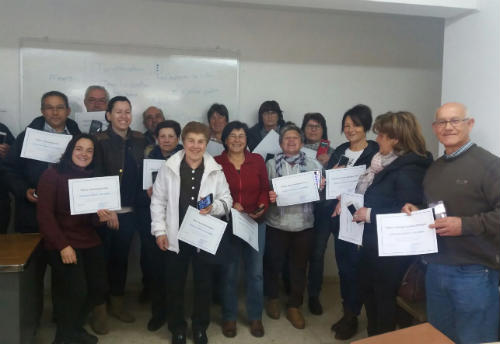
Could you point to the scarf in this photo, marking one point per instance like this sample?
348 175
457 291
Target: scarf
378 163
299 159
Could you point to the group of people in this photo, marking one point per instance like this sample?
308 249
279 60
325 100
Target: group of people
89 253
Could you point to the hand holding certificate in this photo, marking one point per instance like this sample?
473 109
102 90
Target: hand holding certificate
201 231
404 235
296 189
88 195
150 166
342 180
351 231
245 228
43 146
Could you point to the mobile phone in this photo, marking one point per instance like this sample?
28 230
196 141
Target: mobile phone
343 161
153 175
323 147
258 210
352 208
205 201
438 209
95 127
3 137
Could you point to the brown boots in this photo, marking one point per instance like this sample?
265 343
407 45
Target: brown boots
117 309
99 319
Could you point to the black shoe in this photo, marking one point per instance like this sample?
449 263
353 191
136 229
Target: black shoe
179 338
347 328
336 325
81 336
315 306
200 337
156 322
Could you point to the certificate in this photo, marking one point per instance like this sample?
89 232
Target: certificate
270 144
88 195
350 231
43 146
403 235
296 189
214 148
201 231
246 228
340 180
84 119
150 166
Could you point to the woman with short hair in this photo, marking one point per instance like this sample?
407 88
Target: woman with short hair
289 231
247 178
188 176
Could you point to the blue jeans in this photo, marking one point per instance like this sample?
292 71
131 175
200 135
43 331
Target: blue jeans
347 256
463 301
254 281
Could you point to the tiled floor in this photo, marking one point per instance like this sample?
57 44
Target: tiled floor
280 331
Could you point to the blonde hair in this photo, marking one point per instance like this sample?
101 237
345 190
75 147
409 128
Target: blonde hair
402 126
196 128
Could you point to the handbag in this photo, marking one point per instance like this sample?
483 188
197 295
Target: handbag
412 288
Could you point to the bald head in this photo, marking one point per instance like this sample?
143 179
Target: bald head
452 126
457 109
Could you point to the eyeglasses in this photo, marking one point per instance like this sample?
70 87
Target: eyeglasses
454 122
313 126
97 100
269 113
237 137
57 108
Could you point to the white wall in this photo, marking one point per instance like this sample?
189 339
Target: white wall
308 61
471 70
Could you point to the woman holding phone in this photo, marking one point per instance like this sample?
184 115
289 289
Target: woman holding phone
357 151
189 177
247 177
75 250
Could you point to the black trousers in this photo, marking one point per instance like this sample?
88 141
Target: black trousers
158 281
177 266
4 214
78 287
117 248
297 247
380 278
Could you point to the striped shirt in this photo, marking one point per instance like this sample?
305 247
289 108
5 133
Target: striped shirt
459 151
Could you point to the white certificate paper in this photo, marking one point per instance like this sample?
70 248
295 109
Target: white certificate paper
296 189
150 166
342 180
270 144
403 235
88 195
246 228
83 119
43 146
201 231
214 148
351 231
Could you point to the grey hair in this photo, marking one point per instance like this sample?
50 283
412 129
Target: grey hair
96 87
291 126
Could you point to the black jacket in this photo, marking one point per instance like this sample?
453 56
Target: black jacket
398 183
9 139
23 174
364 159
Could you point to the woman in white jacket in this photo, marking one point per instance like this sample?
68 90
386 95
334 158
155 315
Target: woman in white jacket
184 179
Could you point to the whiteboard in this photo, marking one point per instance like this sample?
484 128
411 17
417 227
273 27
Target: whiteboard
184 84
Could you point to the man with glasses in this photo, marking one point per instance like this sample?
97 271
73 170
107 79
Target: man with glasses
150 118
96 98
22 174
462 278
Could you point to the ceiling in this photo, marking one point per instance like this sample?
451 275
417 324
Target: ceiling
427 8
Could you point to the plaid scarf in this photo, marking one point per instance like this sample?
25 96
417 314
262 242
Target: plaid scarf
281 158
378 163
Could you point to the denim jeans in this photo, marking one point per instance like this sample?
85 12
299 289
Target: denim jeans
253 278
462 302
347 256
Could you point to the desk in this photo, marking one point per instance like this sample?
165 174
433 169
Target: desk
423 333
20 297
